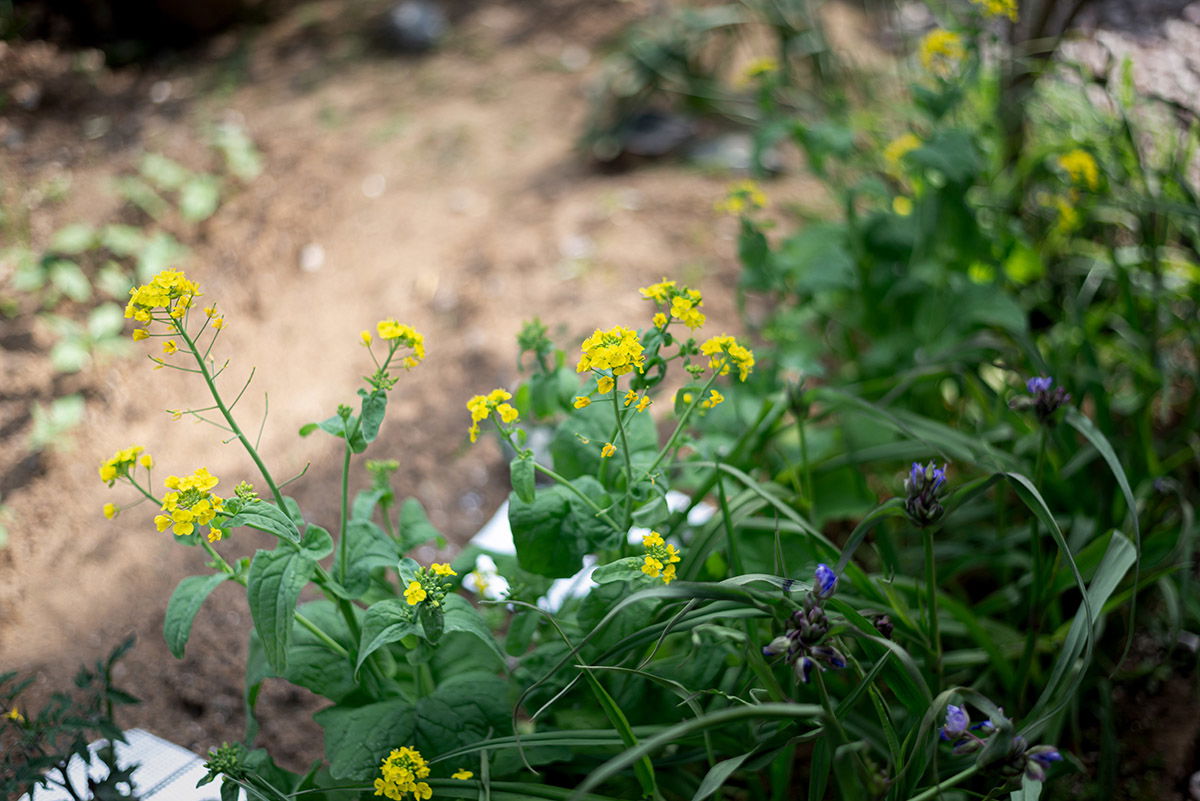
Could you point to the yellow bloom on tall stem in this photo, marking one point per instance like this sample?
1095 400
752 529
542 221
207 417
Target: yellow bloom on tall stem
617 349
723 351
121 462
190 503
941 52
1081 166
482 406
401 335
999 8
660 558
400 773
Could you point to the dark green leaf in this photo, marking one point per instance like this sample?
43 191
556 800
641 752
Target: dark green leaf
367 548
274 584
185 602
265 516
521 472
386 622
415 528
461 616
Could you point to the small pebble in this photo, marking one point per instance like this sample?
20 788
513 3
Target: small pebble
414 25
312 257
373 185
160 92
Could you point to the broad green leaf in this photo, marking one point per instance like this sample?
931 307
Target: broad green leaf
367 548
273 587
385 622
415 528
160 252
69 279
311 664
122 240
546 543
106 320
70 355
573 457
621 570
521 472
185 602
374 406
316 543
461 616
199 198
459 713
73 239
164 172
265 516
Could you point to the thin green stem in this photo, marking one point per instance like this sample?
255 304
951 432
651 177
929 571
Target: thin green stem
600 513
935 635
683 418
624 454
936 790
343 547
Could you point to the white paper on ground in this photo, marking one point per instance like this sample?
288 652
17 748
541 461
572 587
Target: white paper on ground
496 536
165 772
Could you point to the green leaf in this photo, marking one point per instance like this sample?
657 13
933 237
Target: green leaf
316 543
367 548
274 584
460 712
122 240
386 622
69 279
415 528
595 423
461 616
521 472
545 543
265 516
160 252
311 664
817 260
70 355
199 198
185 602
165 173
374 406
951 152
621 570
73 239
106 320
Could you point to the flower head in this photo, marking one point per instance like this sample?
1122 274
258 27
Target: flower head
660 558
15 715
608 450
1080 166
898 148
999 8
925 486
190 504
400 774
957 722
724 351
1044 400
399 335
442 569
825 581
111 510
742 197
941 52
481 408
415 593
617 349
1039 759
679 302
582 401
169 291
714 399
121 463
462 774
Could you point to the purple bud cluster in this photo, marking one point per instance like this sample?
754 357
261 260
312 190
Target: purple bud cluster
1043 398
802 644
924 489
966 738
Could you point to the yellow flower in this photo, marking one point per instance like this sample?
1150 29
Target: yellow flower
605 384
742 197
660 292
169 291
902 205
608 450
582 401
462 774
210 311
415 593
630 397
898 148
723 351
215 534
659 320
643 403
617 349
712 400
15 714
999 8
169 347
760 67
110 510
660 559
1081 167
403 335
442 569
684 310
365 336
139 334
941 52
399 774
482 406
120 463
190 503
218 323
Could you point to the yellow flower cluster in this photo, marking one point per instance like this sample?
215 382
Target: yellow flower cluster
682 303
759 67
941 52
170 290
714 398
742 197
190 504
399 773
631 396
660 559
1081 166
724 351
15 714
482 406
608 450
392 331
998 8
898 148
617 349
428 584
122 460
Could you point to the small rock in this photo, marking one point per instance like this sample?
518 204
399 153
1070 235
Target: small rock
414 26
160 92
574 57
96 127
653 133
312 257
373 185
733 152
1194 786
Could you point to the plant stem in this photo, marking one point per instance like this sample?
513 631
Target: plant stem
936 790
626 456
666 449
343 548
603 515
935 636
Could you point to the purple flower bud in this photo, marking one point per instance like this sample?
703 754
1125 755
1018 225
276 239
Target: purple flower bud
777 646
1038 385
826 581
1038 760
957 721
804 668
830 656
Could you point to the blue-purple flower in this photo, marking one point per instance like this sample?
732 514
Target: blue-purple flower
826 581
957 722
924 487
1044 400
1038 760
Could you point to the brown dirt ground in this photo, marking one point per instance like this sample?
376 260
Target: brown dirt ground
488 218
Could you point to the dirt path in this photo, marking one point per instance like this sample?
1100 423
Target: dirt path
482 217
